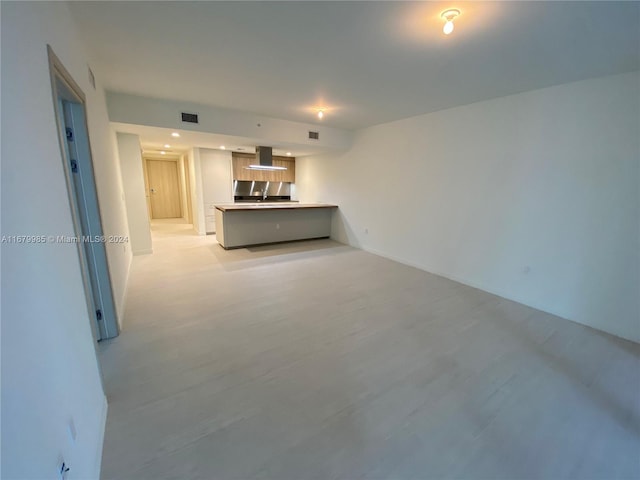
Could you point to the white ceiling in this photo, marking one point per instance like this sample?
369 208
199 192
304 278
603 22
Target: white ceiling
367 62
154 139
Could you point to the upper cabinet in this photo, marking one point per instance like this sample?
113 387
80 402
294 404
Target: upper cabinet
288 175
241 162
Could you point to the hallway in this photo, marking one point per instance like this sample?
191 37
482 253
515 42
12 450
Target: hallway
317 360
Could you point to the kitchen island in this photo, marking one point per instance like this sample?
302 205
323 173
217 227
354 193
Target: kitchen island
241 225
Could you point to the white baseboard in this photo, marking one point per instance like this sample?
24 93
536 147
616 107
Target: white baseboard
494 291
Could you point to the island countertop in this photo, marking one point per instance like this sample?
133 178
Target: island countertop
241 225
271 206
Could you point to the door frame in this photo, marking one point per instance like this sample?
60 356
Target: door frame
83 202
187 187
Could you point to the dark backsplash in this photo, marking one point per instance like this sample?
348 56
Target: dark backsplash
254 198
246 191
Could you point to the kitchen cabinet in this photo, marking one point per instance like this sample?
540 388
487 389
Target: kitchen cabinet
241 172
288 175
240 164
210 218
243 225
215 169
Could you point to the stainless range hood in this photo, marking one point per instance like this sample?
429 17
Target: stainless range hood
264 156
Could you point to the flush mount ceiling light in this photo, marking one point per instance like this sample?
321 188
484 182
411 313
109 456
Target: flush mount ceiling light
175 134
449 15
320 113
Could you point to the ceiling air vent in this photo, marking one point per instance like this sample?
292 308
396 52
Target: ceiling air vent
189 117
314 135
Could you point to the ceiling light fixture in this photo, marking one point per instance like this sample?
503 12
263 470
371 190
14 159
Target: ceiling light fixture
449 15
222 147
264 167
175 134
320 113
288 154
162 152
166 145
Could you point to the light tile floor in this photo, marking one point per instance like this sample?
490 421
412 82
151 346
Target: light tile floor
314 360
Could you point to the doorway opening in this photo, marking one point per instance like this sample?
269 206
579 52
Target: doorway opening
73 135
168 191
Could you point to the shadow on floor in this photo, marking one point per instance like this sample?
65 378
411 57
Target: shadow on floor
241 258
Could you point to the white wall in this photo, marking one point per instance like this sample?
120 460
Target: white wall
50 374
130 156
534 197
184 192
197 202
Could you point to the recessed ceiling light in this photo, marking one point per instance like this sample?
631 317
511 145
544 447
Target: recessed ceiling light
222 147
449 15
320 113
166 145
175 134
162 152
288 154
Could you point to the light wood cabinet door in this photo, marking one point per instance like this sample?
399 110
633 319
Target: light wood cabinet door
272 175
291 170
242 161
240 165
288 175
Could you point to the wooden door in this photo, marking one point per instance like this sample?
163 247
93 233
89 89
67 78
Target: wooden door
164 189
